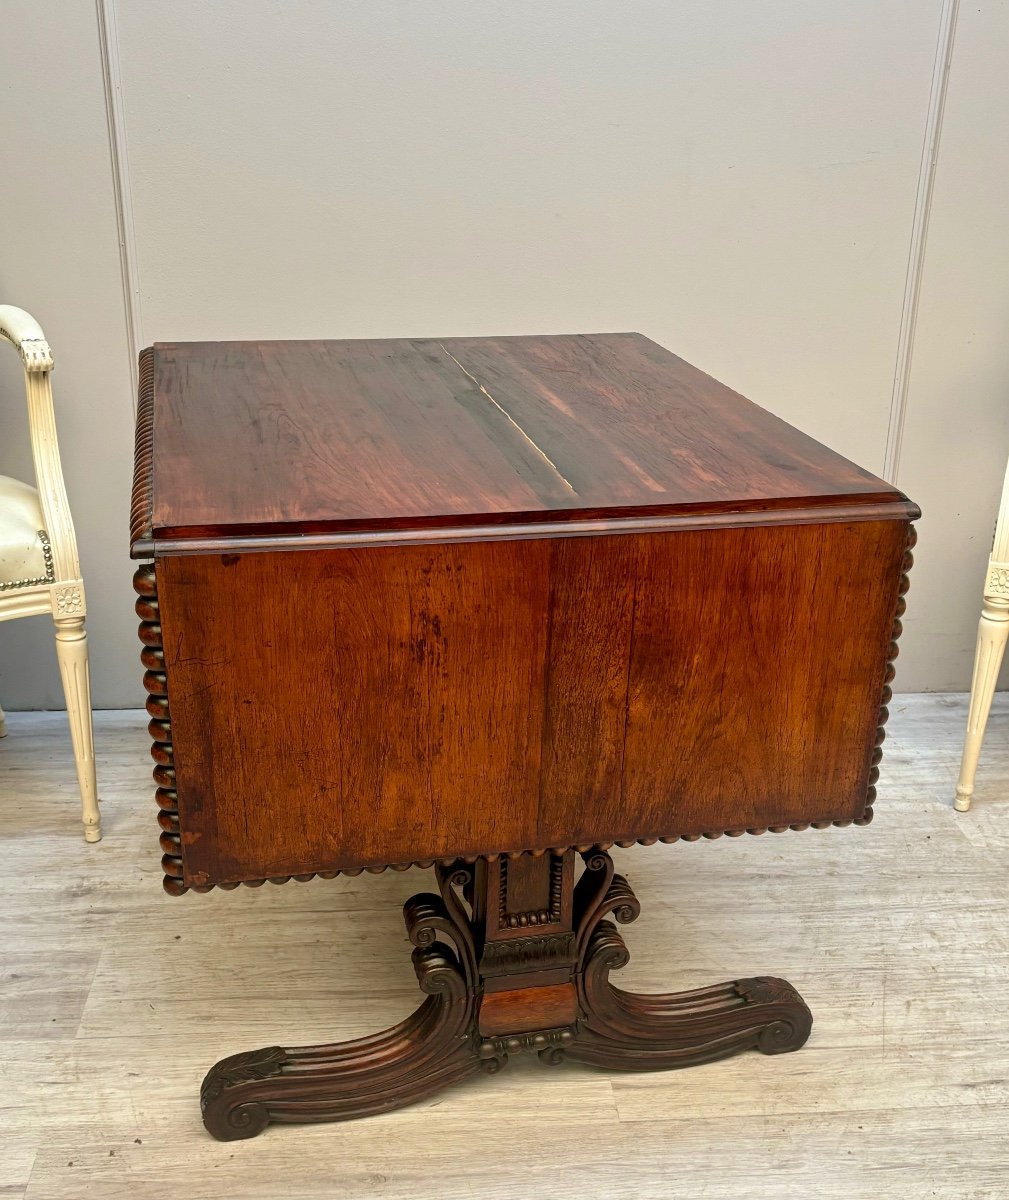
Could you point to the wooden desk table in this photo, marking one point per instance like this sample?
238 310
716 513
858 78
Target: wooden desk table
489 606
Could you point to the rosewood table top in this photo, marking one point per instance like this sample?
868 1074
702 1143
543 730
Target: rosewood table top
328 436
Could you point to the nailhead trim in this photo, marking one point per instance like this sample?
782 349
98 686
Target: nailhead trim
48 577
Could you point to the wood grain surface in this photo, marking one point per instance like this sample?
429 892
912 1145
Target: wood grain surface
350 708
267 437
523 1009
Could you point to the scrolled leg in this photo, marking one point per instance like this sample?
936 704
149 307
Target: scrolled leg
432 1049
629 1031
498 987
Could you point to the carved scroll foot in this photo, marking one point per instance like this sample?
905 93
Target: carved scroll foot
431 1049
630 1032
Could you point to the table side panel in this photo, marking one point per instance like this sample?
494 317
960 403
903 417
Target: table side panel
350 708
736 677
777 704
354 706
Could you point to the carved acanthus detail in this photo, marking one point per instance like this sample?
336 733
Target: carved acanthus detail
766 989
527 953
242 1068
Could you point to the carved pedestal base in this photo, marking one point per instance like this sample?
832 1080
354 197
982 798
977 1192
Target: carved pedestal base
513 957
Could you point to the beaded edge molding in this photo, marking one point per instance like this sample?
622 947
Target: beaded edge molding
156 682
907 562
142 498
160 727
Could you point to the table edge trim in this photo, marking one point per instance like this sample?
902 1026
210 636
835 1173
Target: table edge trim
149 546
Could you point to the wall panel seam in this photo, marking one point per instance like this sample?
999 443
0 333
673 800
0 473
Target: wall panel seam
115 112
919 238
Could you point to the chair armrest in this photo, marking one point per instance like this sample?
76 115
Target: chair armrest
25 334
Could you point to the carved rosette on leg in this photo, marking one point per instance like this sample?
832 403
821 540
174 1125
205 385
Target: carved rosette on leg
461 970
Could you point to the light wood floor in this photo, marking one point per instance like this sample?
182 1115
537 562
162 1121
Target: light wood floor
115 999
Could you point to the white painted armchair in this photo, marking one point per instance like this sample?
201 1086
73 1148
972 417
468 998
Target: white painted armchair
39 569
992 634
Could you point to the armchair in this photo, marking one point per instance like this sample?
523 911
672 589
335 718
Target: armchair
39 568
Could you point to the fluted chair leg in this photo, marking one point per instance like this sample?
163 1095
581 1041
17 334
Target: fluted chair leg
993 632
72 653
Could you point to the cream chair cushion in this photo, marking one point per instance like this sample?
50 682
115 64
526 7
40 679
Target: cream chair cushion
21 554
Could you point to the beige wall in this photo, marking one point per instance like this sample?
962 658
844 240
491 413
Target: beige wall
737 181
956 436
59 259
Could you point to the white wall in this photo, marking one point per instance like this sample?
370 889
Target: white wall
737 181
